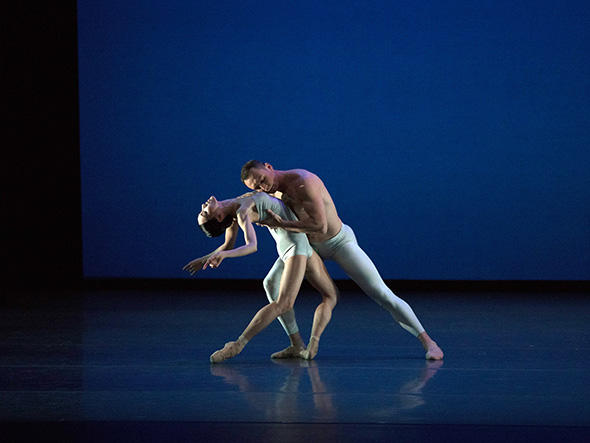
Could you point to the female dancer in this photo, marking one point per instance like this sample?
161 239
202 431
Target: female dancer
295 254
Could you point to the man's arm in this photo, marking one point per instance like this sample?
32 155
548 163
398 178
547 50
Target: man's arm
308 195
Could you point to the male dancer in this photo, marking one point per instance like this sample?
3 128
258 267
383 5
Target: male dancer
308 197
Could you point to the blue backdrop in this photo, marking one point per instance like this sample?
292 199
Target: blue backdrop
453 136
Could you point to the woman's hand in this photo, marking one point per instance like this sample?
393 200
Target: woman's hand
215 259
195 265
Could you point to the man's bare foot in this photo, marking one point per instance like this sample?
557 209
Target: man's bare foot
312 349
434 352
231 349
290 352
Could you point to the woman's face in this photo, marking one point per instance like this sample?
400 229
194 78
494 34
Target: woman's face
208 210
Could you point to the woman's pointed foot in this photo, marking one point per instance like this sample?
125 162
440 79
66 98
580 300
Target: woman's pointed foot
231 349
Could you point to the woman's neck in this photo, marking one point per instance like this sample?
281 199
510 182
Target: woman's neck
229 207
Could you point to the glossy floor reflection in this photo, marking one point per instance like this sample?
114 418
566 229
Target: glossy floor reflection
104 364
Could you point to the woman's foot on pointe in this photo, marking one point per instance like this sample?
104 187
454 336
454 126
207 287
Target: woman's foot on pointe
434 352
231 349
312 349
290 352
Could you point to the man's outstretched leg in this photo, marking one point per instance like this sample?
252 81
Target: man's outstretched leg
354 261
365 274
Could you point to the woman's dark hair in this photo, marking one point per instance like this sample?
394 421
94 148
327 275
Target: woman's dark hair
214 228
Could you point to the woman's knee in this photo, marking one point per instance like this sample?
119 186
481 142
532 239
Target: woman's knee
332 297
291 282
284 306
270 287
330 301
286 301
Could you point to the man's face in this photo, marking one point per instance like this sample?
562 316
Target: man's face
208 210
261 179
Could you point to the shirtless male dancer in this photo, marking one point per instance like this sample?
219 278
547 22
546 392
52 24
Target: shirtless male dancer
308 197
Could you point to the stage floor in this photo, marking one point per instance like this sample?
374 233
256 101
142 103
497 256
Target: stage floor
134 366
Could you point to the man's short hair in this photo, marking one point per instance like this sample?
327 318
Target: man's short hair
214 228
248 166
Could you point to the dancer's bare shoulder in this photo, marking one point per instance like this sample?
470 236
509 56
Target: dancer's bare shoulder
301 182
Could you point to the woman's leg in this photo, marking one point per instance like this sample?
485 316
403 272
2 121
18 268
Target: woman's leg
317 275
290 283
272 284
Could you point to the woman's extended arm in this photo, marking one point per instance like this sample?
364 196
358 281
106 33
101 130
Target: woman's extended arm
231 234
245 223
